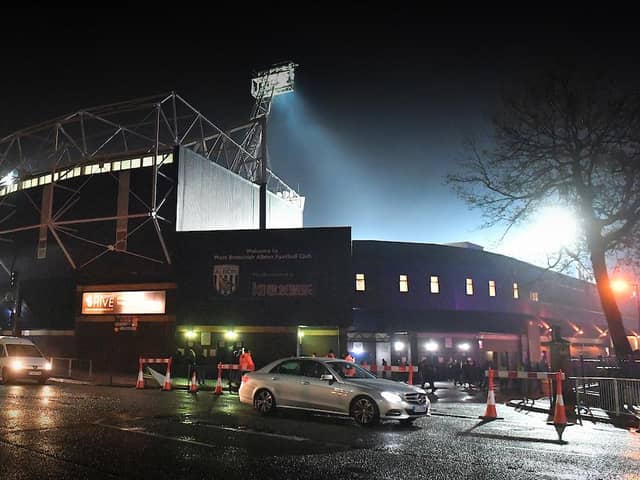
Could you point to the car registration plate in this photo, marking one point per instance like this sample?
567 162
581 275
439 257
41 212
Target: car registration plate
35 372
420 409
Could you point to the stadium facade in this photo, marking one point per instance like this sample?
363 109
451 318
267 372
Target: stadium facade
135 228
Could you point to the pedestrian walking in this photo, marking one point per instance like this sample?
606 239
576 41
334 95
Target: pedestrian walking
426 374
190 357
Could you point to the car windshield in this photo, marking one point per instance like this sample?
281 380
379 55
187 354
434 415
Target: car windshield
22 350
349 370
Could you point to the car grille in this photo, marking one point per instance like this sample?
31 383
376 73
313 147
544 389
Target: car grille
417 398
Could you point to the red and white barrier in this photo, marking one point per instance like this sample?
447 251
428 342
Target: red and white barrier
513 374
389 368
228 366
410 369
167 378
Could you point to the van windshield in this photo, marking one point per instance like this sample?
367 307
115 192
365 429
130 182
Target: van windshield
21 350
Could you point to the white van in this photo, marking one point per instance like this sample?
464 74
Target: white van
20 358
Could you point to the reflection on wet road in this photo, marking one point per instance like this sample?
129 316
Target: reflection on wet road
74 431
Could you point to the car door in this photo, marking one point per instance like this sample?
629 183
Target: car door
286 380
321 394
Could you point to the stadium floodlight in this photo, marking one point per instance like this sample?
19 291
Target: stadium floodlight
9 179
273 81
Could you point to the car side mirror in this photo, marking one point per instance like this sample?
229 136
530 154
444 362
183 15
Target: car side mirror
327 377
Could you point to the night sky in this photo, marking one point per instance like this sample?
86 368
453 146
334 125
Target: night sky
377 119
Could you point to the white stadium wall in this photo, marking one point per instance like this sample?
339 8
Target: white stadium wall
282 213
210 197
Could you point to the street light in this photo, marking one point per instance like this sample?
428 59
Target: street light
431 346
620 286
636 293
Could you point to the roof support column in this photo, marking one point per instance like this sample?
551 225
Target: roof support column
122 224
45 218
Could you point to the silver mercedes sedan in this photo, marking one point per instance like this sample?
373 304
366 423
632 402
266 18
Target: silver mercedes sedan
333 386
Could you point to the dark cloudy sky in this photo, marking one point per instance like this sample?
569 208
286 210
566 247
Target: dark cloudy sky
376 121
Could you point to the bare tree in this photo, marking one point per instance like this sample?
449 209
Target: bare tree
569 139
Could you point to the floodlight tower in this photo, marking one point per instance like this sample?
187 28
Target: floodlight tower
266 84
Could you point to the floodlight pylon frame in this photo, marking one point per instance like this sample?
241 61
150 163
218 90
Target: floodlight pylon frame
93 141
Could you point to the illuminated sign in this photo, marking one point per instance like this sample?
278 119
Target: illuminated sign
139 302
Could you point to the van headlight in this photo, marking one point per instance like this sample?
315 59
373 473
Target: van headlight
17 365
48 366
391 397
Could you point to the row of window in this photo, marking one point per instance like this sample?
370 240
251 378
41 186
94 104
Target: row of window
434 286
85 170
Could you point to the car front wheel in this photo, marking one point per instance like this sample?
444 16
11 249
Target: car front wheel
264 402
365 411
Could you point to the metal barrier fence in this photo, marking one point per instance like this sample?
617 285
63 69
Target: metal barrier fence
614 395
71 367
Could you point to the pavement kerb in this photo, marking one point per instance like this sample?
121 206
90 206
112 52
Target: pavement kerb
585 418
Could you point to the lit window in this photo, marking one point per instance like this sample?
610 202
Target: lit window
360 285
76 172
469 286
492 288
115 166
87 170
515 291
126 164
168 158
404 283
435 284
147 161
135 163
533 296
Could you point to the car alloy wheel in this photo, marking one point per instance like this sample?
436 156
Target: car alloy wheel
264 402
364 411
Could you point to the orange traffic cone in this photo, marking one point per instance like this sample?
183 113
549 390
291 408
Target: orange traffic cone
560 413
140 382
490 412
193 387
167 379
218 390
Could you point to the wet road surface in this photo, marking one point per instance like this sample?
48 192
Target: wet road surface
78 431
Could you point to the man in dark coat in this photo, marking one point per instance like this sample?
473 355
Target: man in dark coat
426 374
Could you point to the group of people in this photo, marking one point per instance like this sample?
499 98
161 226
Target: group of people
198 363
467 374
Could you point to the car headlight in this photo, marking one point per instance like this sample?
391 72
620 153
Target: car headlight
48 366
391 397
17 365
